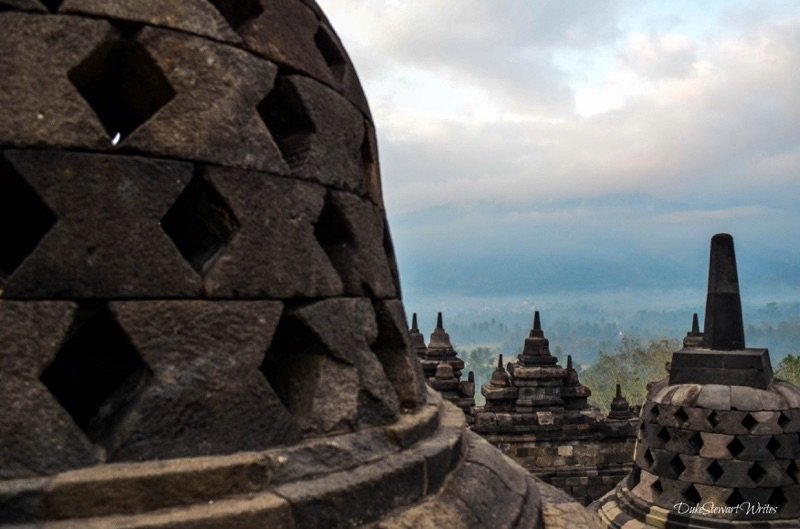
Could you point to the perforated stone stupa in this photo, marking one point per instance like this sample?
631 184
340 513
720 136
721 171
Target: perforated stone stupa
719 439
200 316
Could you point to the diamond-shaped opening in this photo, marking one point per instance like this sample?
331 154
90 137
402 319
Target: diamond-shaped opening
97 373
292 366
691 496
123 85
777 499
677 466
681 415
52 5
288 121
696 442
756 473
749 422
200 223
648 458
333 232
656 488
783 420
713 419
663 435
735 447
237 13
715 470
735 499
793 471
24 219
333 55
653 413
773 446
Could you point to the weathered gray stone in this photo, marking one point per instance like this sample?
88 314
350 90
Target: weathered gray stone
358 253
191 16
54 114
334 156
131 256
207 395
715 445
37 436
715 397
23 5
394 352
213 116
274 253
351 498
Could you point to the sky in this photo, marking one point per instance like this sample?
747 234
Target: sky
533 147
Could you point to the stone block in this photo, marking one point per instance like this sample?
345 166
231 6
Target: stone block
358 253
37 435
24 5
375 489
132 256
207 394
686 395
715 445
213 115
190 16
788 392
750 367
393 349
745 398
345 328
54 114
715 397
274 252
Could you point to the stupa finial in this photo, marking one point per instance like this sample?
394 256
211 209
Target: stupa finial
724 329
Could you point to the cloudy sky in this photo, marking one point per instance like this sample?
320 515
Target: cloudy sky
535 146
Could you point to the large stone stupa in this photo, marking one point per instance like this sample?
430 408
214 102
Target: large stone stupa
200 315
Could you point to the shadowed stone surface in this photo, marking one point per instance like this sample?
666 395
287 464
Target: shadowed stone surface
106 242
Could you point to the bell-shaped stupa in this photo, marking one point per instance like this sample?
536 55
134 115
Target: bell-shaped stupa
719 439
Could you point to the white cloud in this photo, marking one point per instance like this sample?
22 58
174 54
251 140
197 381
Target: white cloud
524 105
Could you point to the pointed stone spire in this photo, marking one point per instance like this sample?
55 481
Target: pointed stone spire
417 340
572 375
536 350
440 340
537 325
724 329
719 356
471 377
500 377
620 409
694 338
